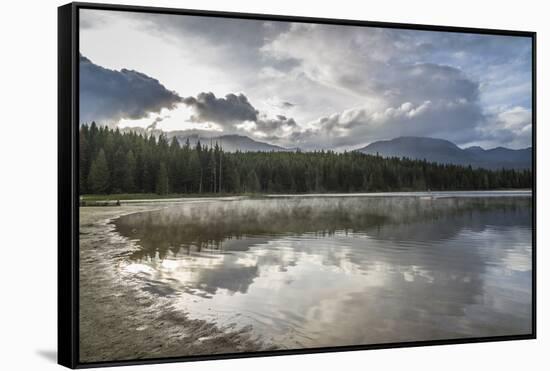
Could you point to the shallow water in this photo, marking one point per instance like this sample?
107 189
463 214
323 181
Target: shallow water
328 271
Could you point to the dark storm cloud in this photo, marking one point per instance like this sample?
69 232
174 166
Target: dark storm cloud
155 123
284 105
235 109
107 96
224 111
419 82
271 125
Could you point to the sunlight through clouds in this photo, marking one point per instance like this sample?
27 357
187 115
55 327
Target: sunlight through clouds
321 86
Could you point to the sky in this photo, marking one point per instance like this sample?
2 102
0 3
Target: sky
303 85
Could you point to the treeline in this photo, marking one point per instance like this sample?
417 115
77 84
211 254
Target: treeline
115 162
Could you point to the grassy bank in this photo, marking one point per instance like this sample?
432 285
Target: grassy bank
153 196
113 198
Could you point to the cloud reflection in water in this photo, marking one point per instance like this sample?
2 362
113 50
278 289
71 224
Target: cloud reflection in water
325 272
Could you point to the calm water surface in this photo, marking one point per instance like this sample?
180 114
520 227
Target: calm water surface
328 271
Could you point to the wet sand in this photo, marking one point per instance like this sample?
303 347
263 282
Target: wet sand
120 319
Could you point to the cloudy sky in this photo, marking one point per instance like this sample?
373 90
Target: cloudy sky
303 85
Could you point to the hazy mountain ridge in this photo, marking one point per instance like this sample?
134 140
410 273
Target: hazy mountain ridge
446 152
229 142
431 149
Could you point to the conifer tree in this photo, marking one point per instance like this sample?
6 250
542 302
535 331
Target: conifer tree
252 182
162 180
115 161
129 180
98 180
119 172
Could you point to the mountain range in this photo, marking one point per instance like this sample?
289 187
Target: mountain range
229 143
446 152
419 148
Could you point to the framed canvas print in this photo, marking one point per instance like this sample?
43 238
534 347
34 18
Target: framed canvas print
237 185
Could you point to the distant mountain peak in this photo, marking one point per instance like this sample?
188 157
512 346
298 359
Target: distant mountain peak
447 152
475 148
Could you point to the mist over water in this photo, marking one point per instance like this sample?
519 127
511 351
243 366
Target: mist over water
328 271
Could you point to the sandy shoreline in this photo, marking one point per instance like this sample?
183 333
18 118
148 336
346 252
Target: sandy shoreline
119 319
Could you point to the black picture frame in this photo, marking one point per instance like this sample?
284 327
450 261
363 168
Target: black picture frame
68 202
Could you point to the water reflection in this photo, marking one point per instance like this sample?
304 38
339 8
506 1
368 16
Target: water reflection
306 272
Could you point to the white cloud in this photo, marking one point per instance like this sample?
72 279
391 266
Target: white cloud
508 126
359 126
346 86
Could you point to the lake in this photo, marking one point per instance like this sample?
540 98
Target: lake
314 271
